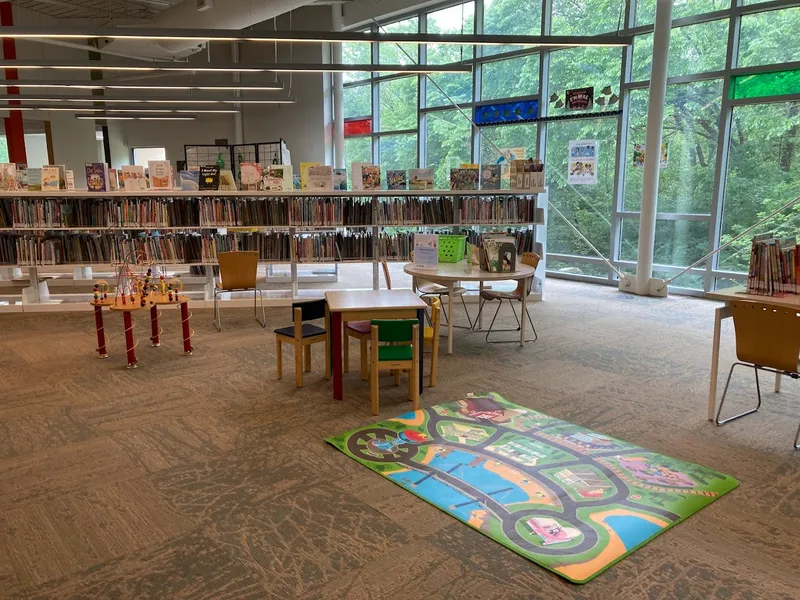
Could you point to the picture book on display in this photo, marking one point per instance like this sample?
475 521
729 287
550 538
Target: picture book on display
304 166
227 182
490 177
340 180
420 179
320 178
160 174
50 178
113 179
190 180
8 176
209 178
70 177
34 179
395 180
276 178
62 175
97 177
296 182
370 177
250 176
355 174
133 178
464 179
22 176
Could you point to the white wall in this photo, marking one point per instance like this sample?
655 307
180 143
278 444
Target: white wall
74 144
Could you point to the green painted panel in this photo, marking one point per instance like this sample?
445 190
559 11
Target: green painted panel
761 85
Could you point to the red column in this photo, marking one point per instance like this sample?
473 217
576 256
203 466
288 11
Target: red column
15 132
154 326
187 332
102 352
130 347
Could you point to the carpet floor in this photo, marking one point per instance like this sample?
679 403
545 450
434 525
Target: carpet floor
204 477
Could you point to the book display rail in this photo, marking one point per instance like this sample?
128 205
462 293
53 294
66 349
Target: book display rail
80 229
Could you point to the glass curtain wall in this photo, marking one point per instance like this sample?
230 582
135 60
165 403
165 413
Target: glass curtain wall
731 121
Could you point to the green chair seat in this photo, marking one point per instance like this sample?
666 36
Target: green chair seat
392 353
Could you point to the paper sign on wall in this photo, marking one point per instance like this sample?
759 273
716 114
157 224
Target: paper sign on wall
582 165
426 250
638 155
580 98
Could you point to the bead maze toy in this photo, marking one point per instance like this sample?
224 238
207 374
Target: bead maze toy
135 290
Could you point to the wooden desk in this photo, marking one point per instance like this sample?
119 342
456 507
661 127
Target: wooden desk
448 274
727 296
365 306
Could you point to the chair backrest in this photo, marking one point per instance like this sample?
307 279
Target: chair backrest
386 275
310 310
766 335
395 330
532 260
436 315
238 270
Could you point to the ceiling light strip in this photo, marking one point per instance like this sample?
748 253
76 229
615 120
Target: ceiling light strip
117 109
145 99
110 85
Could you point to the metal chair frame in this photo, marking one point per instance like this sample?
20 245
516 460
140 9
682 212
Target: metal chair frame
491 325
257 293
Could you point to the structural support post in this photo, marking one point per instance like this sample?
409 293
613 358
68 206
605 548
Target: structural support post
338 93
15 130
238 122
652 160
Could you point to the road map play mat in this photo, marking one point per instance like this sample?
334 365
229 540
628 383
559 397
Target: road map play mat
570 499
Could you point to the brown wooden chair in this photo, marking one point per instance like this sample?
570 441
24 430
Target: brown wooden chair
523 287
431 338
362 331
302 335
238 273
767 339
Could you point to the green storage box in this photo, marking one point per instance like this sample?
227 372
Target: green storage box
452 248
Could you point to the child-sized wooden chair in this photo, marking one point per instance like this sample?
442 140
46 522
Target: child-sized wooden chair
400 352
302 335
361 330
431 338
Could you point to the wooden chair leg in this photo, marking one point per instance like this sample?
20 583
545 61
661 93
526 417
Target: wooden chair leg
346 357
396 373
298 364
364 359
328 357
413 380
307 355
434 362
374 383
279 356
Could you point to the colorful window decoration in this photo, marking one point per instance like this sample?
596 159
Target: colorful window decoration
506 112
357 126
761 85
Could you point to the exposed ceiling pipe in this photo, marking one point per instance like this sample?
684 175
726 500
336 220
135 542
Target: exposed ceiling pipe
230 14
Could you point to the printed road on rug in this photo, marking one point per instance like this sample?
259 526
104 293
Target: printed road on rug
570 499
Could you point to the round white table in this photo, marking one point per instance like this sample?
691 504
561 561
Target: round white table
447 274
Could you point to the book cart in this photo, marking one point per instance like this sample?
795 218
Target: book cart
163 228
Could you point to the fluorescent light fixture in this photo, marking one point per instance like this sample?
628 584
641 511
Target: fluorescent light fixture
115 109
237 67
110 85
225 35
90 117
144 99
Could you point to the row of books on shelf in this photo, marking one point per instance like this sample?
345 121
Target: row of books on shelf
774 266
524 239
197 248
53 213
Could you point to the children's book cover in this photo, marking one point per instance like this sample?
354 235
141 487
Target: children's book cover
22 176
320 178
190 180
304 166
227 182
34 179
160 174
70 177
250 176
371 177
296 182
62 175
420 179
50 179
133 178
396 180
340 180
113 180
355 174
490 177
463 179
97 177
209 177
8 176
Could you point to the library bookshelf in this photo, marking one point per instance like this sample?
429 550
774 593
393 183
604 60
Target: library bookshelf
58 231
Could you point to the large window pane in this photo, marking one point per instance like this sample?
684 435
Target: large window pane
677 244
357 149
510 78
398 152
587 17
456 19
769 38
582 67
646 9
763 174
356 53
398 103
399 54
692 49
357 101
588 207
447 144
522 135
691 117
505 17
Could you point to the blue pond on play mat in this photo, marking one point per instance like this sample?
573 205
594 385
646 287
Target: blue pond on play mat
631 530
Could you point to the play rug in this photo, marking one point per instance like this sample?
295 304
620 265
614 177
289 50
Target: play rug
567 498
